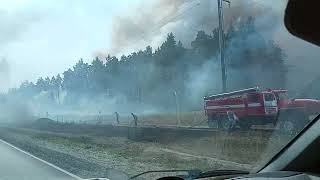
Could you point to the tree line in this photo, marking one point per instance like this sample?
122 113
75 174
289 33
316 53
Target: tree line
152 76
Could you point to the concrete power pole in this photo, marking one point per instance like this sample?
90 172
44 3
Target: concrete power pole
177 107
221 45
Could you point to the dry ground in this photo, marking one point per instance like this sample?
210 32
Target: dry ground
225 151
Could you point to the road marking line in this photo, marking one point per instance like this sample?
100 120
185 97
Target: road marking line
47 163
248 166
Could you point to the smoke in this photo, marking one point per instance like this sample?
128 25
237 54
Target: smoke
148 24
13 25
302 60
202 81
4 75
131 30
15 112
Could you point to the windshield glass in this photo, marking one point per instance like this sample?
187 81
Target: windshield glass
269 97
140 85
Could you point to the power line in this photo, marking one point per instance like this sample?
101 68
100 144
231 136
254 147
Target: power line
165 22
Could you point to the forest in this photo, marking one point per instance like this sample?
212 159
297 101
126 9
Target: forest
156 78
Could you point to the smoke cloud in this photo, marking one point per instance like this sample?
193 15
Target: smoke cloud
13 25
131 30
15 112
4 75
149 23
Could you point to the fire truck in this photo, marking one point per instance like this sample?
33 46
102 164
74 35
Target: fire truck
253 106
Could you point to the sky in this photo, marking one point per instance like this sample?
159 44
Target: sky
44 38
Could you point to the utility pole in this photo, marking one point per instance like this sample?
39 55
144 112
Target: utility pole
221 45
177 107
59 95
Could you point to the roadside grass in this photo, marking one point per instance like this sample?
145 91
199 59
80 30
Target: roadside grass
241 147
237 147
193 118
235 150
247 148
141 152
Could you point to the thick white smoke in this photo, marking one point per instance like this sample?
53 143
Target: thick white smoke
149 23
14 111
4 75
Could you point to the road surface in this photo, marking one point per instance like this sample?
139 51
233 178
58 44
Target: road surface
16 164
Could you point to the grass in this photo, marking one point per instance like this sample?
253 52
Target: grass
238 147
194 118
245 148
143 153
242 147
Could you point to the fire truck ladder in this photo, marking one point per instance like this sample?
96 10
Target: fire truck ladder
233 93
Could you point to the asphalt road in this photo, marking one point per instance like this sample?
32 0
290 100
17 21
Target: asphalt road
16 164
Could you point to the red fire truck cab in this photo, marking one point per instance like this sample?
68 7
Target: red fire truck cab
250 106
256 107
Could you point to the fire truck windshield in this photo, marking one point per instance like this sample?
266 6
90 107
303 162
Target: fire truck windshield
269 97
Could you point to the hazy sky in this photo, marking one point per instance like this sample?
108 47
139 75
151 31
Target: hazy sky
44 38
40 38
